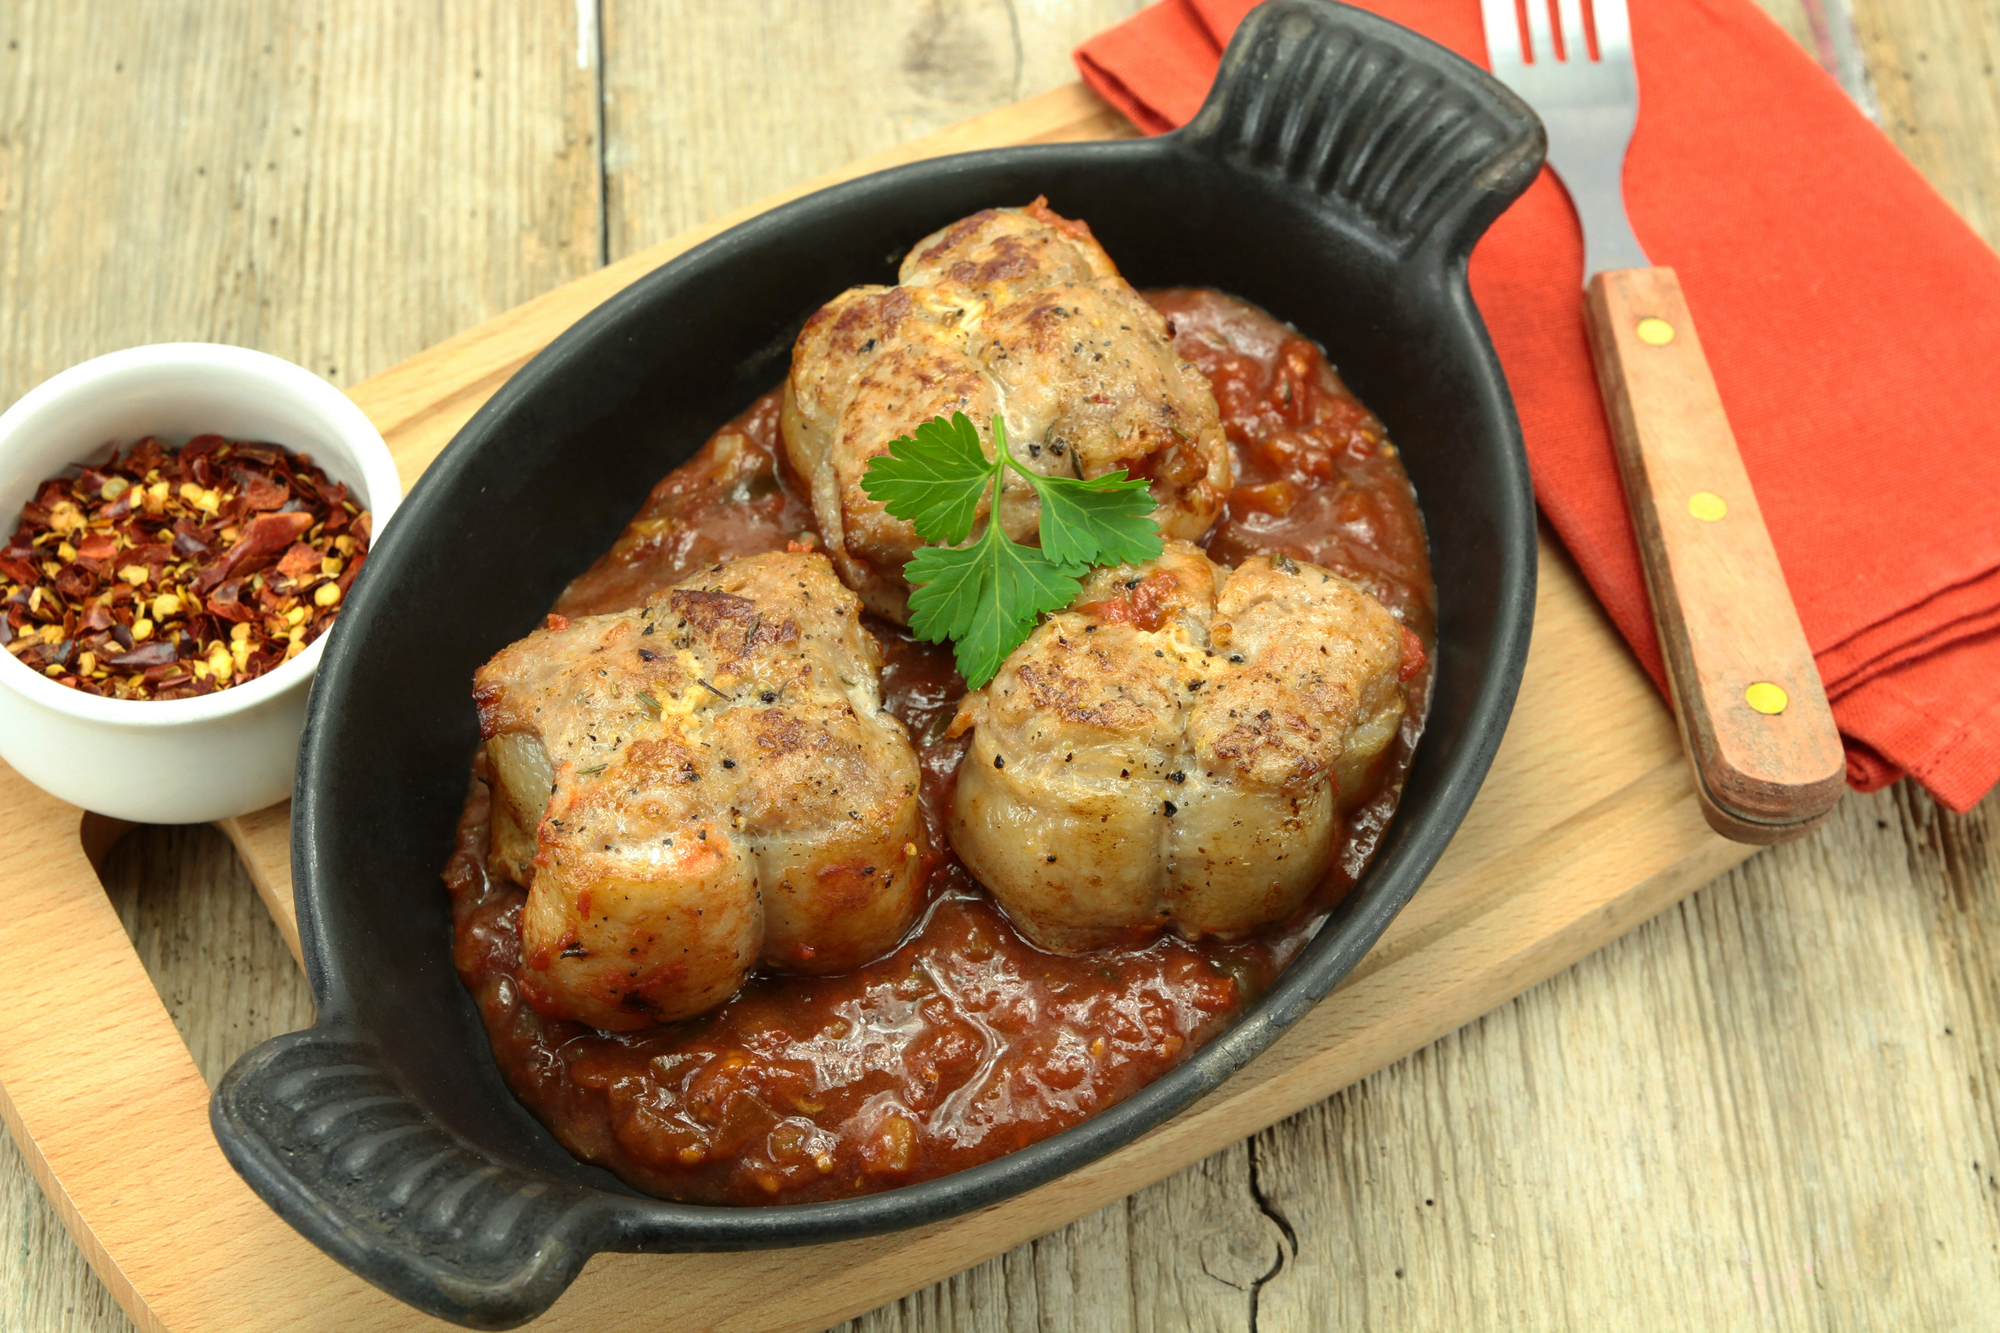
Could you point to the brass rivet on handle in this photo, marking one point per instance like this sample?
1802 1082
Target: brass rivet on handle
1766 697
1654 331
1707 506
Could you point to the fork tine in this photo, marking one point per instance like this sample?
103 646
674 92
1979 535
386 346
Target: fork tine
1503 33
1614 31
1541 37
1588 107
1576 45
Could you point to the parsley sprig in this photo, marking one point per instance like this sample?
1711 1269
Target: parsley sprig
986 595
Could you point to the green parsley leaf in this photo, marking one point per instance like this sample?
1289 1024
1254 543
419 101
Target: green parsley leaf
933 480
1107 520
986 597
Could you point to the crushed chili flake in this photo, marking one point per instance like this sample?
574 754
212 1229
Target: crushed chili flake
167 573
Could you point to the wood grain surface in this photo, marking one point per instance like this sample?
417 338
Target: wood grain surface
1775 1104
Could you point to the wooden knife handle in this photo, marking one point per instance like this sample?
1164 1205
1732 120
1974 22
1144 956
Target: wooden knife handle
1767 757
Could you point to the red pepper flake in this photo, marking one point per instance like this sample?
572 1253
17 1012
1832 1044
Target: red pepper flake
97 547
299 561
265 537
260 491
168 573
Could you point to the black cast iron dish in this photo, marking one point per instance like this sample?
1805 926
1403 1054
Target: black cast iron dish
1338 175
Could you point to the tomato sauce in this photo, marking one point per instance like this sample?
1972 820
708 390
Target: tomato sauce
966 1042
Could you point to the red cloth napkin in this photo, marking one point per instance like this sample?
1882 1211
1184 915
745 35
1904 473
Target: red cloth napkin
1851 319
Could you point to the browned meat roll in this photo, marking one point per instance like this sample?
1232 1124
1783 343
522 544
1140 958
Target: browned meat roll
697 786
1013 311
1176 749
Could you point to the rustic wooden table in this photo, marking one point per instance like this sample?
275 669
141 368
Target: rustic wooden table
1778 1103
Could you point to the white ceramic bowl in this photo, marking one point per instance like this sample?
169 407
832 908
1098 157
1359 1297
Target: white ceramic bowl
173 761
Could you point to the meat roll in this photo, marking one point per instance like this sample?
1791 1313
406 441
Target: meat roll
1013 311
1177 749
696 786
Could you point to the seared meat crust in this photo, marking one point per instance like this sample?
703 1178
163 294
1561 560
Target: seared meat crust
1011 311
697 786
1176 749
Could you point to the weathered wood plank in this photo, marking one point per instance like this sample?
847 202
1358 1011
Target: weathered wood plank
1753 1110
709 107
1933 64
342 185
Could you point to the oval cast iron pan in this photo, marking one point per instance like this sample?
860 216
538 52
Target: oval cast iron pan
1338 175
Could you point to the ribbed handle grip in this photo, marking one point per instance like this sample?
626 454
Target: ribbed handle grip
341 1151
1415 142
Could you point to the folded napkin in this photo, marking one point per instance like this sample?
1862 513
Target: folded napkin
1851 319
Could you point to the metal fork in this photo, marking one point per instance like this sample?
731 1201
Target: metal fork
1753 715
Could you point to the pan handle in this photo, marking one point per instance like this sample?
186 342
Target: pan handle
1421 147
325 1135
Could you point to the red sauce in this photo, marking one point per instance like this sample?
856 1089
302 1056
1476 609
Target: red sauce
967 1042
1316 476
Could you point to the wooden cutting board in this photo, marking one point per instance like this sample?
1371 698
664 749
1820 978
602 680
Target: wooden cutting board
1587 825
